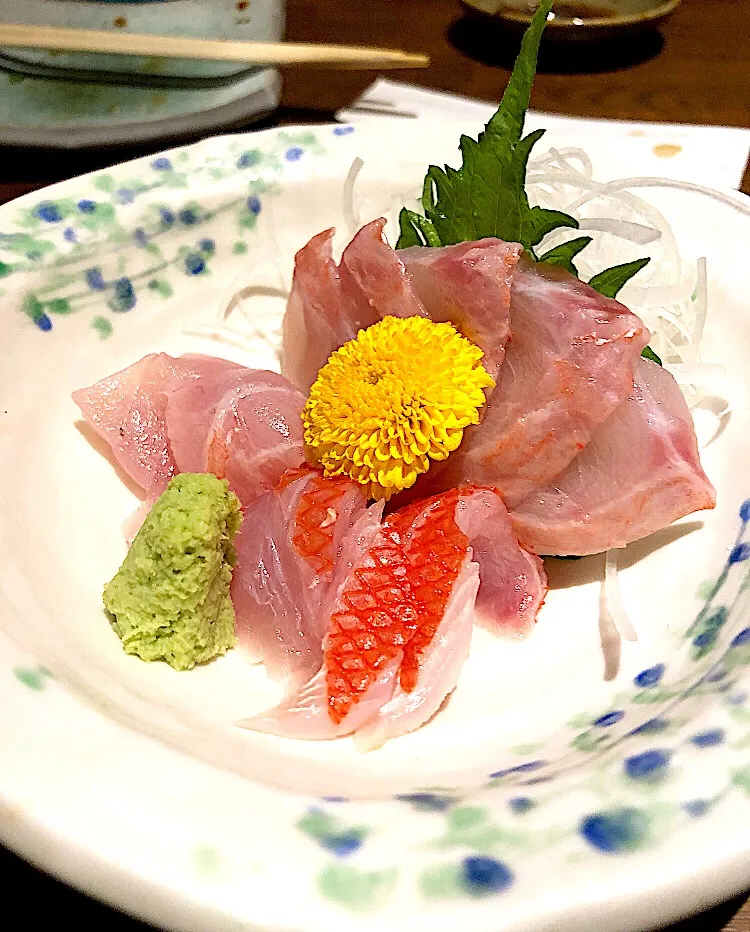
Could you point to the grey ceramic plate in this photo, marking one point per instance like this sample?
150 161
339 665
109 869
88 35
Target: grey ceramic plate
57 114
580 19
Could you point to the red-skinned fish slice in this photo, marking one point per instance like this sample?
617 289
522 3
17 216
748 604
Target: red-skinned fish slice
468 285
393 602
568 364
286 549
408 599
316 521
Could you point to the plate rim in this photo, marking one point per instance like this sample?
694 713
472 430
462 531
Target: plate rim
26 836
655 15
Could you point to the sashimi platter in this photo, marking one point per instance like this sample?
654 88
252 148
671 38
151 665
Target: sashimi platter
378 531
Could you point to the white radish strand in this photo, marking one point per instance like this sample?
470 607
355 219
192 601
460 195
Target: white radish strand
351 214
614 596
610 639
614 623
647 182
701 310
625 229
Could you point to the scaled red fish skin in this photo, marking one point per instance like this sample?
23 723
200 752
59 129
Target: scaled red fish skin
408 600
393 601
315 521
289 542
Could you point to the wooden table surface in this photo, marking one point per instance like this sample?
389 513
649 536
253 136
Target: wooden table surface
696 70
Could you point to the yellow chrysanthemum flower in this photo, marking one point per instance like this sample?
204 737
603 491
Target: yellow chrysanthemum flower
388 402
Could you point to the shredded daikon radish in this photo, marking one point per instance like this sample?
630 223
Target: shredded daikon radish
351 214
614 623
614 598
610 640
625 229
693 374
646 182
667 295
239 326
701 309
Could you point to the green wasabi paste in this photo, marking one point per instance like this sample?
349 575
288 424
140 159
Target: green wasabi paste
170 598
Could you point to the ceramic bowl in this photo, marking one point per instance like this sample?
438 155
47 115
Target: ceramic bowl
259 20
580 19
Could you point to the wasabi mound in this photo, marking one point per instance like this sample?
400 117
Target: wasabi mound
170 598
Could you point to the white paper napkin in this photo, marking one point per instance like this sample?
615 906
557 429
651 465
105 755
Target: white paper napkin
711 155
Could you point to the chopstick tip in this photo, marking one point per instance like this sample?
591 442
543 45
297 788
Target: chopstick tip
417 60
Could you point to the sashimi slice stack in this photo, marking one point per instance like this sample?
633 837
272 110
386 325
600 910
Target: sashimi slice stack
287 554
165 415
583 446
589 447
398 626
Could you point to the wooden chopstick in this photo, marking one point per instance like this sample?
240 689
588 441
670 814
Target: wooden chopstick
286 54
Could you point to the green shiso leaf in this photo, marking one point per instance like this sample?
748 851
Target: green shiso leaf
650 354
415 230
610 281
564 254
486 195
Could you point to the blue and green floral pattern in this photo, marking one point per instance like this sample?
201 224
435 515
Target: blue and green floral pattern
84 245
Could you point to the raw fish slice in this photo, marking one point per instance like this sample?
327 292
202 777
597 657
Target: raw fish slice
192 407
640 473
286 549
441 664
319 316
262 433
382 618
165 415
514 583
374 279
305 713
469 285
325 513
414 581
127 409
330 304
568 364
244 425
393 601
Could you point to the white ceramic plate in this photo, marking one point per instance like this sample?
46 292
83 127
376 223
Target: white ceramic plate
543 797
